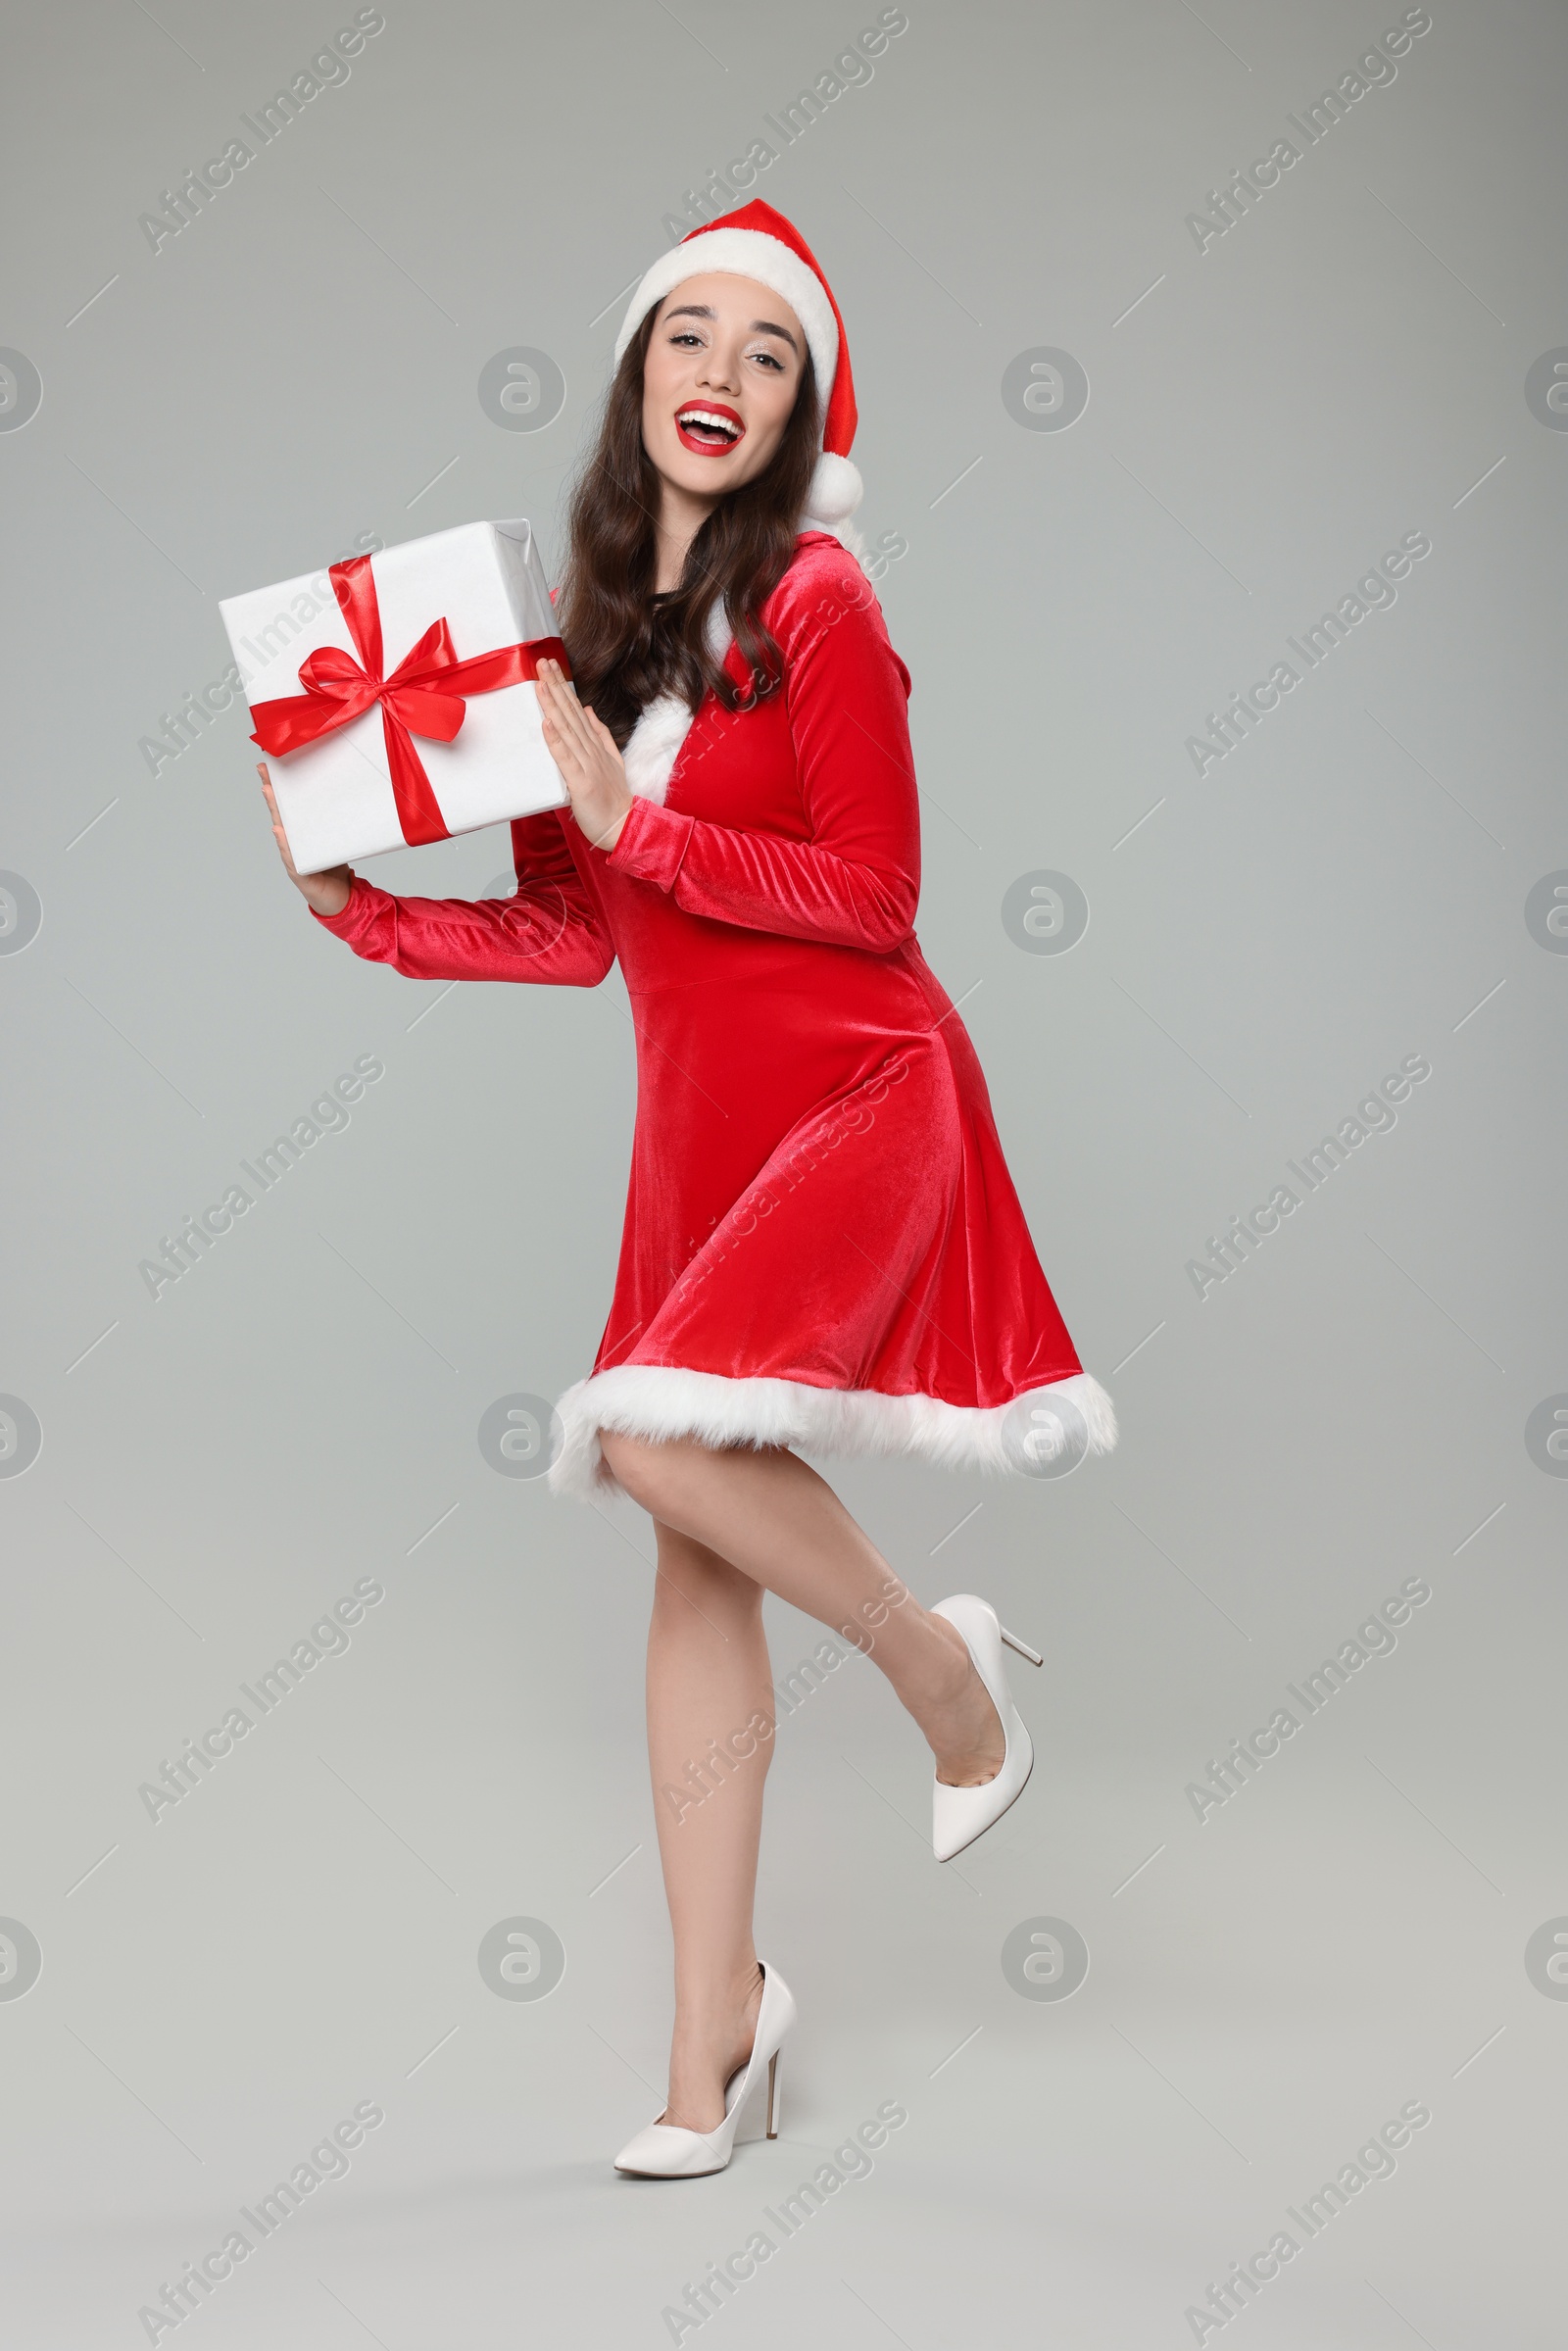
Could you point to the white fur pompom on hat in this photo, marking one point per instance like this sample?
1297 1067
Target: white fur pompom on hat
836 489
759 242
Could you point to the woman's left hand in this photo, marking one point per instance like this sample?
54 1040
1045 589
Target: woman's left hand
584 749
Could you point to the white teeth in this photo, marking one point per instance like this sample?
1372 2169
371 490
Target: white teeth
723 424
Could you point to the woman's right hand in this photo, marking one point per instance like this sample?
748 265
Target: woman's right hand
323 893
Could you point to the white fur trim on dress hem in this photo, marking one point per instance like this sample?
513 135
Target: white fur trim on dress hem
659 1401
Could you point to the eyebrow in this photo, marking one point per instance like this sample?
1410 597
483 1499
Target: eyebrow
758 327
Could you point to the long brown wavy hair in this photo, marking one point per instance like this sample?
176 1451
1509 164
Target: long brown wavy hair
626 645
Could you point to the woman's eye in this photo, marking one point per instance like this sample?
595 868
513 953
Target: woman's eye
770 358
685 334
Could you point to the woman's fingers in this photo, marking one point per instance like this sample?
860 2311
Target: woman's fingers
567 711
548 685
328 891
586 727
587 755
548 689
562 749
567 739
573 713
278 834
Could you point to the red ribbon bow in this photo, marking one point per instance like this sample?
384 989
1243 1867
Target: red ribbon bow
426 695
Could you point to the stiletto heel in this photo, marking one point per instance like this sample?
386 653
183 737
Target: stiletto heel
666 2151
959 1815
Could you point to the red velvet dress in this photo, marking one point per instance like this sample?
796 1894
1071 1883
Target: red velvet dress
822 1244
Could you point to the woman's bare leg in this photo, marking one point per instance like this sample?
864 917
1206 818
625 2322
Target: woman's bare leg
733 1523
710 1693
774 1519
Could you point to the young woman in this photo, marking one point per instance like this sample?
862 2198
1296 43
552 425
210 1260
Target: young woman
822 1247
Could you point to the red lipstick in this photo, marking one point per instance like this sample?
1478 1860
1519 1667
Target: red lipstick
708 427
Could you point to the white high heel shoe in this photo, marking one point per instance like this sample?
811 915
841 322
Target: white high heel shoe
961 1814
666 2151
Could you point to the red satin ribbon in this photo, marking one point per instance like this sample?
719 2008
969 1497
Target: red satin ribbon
424 694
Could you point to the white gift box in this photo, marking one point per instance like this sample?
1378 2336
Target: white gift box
335 793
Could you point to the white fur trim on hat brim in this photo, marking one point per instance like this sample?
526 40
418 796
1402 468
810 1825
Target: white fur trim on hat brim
745 252
657 1403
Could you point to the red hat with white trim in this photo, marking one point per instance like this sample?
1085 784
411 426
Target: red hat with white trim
757 242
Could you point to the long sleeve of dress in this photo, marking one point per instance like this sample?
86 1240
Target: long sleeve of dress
551 932
857 880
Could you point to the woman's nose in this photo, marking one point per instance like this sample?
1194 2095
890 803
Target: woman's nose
720 376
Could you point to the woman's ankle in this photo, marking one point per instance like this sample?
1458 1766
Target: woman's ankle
935 1668
713 2000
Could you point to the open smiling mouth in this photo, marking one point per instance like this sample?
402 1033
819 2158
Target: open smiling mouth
709 429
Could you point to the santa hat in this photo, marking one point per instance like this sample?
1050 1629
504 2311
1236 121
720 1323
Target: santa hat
757 242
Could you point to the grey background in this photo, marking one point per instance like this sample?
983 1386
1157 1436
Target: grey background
301 1410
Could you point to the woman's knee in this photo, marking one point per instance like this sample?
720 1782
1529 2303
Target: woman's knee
644 1469
699 1599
